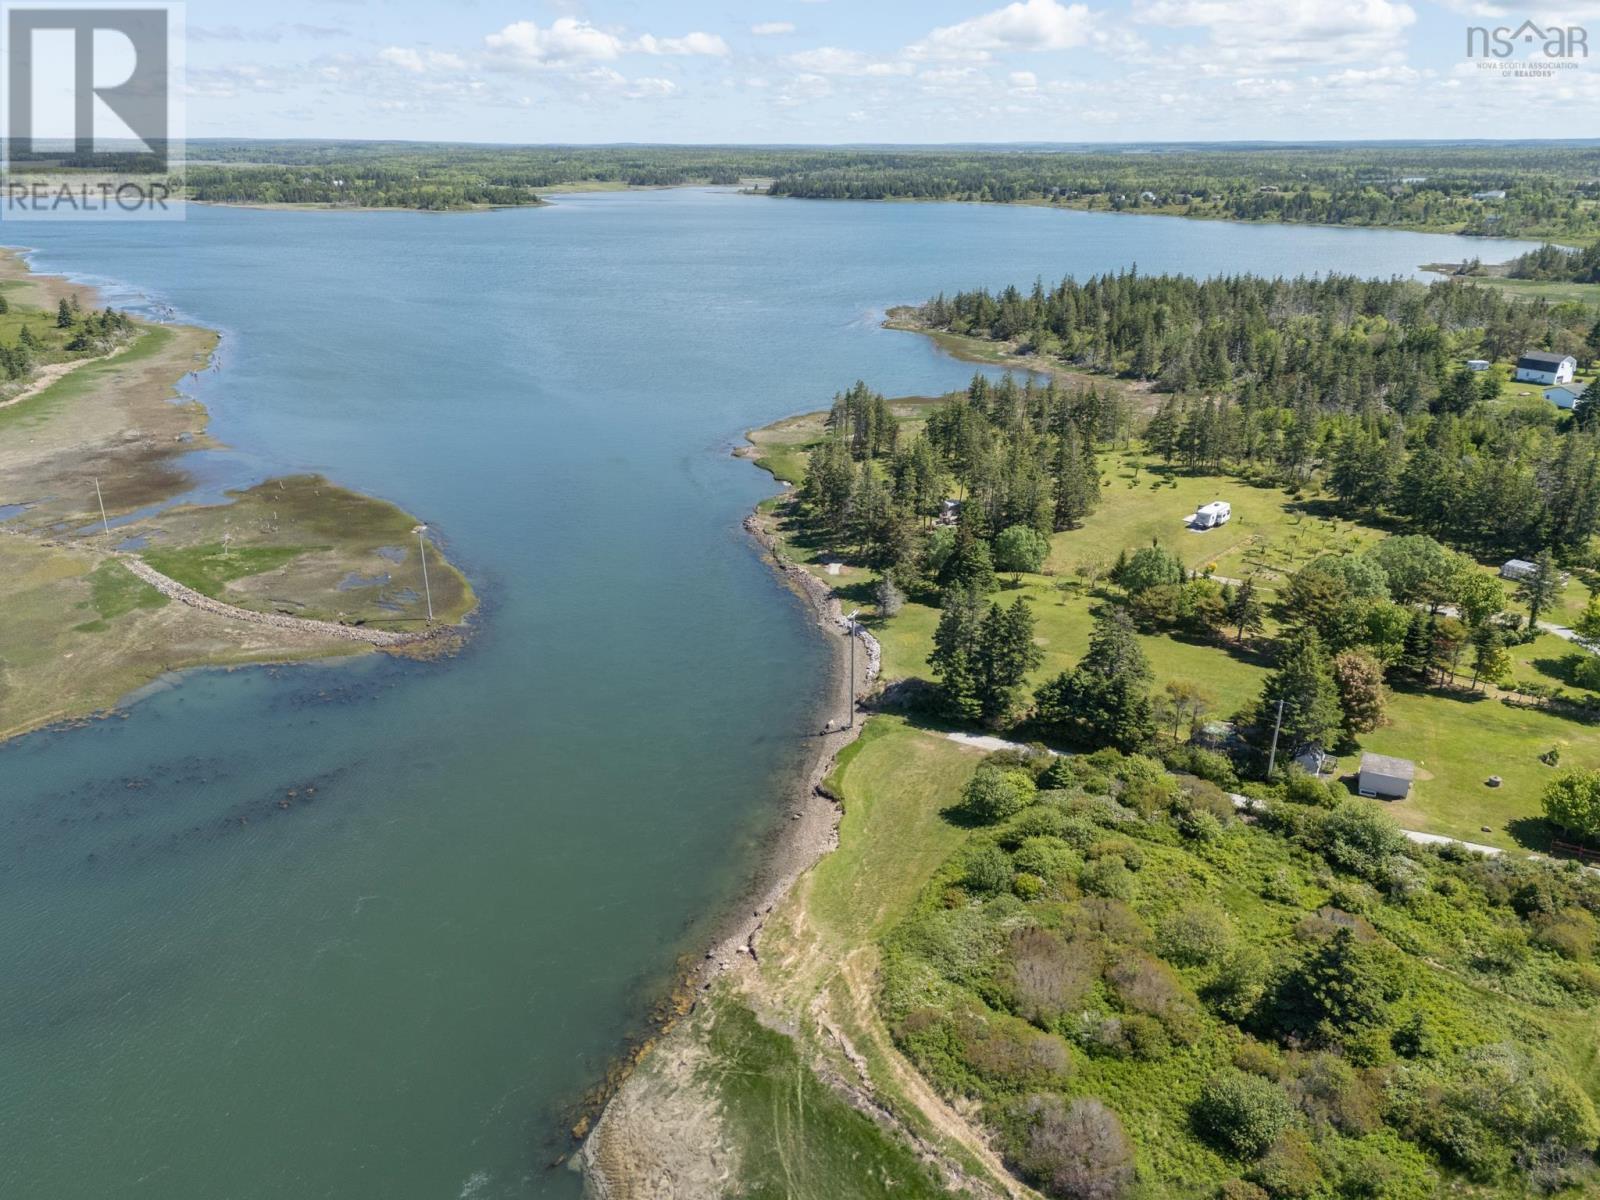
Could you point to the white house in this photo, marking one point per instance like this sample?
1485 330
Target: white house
1209 516
1563 397
1477 364
1540 366
1387 777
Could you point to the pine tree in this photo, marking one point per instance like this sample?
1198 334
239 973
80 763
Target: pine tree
1077 483
63 314
1416 652
1006 653
955 656
1304 683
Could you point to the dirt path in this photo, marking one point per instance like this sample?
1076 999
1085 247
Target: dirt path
53 373
173 590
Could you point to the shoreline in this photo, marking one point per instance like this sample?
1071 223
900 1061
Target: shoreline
129 420
798 844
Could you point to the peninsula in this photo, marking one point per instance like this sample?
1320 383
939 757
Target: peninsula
114 572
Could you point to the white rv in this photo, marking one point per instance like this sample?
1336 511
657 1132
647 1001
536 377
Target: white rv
1209 516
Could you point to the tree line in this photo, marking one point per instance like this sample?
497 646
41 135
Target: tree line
1361 383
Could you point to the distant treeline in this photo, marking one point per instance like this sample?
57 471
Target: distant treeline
1550 190
1359 382
1547 190
1556 263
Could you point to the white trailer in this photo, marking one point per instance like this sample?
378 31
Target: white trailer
1209 516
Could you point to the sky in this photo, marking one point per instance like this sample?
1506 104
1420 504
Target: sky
853 71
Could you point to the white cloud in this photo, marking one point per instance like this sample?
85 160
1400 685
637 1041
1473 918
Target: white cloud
1023 81
567 40
411 60
1246 32
831 60
1024 25
709 44
399 56
772 28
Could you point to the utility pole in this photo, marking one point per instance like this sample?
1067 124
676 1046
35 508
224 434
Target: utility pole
850 626
1272 759
422 553
105 524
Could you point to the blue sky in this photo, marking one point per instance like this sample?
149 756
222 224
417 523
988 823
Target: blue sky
873 70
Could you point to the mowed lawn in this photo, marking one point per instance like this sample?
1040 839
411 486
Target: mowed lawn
1458 741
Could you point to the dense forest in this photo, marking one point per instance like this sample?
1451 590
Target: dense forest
1549 189
1557 263
1362 382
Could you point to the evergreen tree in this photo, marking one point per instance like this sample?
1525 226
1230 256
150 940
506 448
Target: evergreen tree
63 314
971 565
1244 609
1105 701
1077 482
955 656
1416 652
1539 590
1304 682
1006 653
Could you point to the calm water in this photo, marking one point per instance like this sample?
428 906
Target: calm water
389 988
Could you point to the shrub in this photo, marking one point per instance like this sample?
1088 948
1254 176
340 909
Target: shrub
1239 984
1496 1110
1241 1189
1144 985
1045 976
1037 820
1195 936
1077 1151
1010 1054
1330 1092
1301 787
1107 877
1050 858
1210 765
1027 886
1128 851
988 869
1289 1170
1242 1114
993 795
1151 566
1360 837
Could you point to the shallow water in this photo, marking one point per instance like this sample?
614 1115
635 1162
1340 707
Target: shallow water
360 930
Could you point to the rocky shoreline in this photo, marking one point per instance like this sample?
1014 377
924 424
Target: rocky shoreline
173 590
614 1164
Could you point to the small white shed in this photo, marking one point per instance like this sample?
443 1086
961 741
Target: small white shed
1385 777
1563 397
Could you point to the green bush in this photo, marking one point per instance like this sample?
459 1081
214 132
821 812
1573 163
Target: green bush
1242 1114
1360 837
1107 877
1195 936
993 795
988 869
1050 858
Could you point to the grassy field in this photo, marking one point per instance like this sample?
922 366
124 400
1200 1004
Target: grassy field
1458 741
